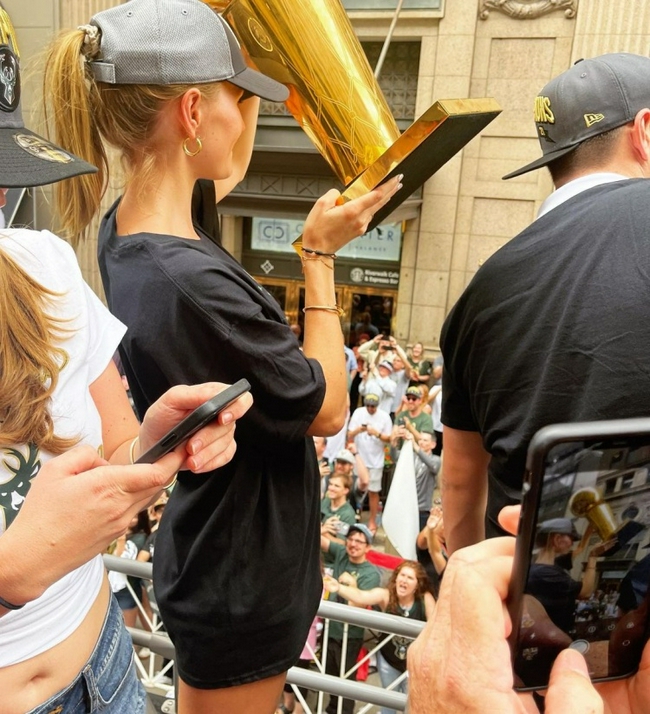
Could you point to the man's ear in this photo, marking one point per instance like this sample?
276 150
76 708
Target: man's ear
641 136
189 111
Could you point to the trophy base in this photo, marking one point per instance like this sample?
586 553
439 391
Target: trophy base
622 536
440 133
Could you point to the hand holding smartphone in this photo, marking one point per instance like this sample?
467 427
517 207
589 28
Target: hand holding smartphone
582 562
199 418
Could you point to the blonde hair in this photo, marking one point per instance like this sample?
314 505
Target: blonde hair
85 113
30 360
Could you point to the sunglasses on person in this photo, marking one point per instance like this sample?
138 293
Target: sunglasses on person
412 398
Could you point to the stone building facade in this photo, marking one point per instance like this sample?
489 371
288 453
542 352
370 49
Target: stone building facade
505 49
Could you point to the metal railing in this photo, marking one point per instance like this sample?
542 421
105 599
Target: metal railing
159 643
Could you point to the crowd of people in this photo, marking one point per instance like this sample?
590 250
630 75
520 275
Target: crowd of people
393 408
518 353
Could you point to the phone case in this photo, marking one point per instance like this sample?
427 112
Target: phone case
193 422
536 638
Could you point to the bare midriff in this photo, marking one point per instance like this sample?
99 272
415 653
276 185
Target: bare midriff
27 684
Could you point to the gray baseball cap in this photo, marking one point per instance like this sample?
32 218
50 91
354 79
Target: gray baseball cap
591 98
363 529
174 42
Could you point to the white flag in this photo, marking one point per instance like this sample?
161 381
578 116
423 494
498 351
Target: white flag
401 518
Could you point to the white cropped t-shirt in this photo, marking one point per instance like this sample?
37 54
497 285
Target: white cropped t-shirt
92 338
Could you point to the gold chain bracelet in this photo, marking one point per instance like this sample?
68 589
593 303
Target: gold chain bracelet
326 308
320 258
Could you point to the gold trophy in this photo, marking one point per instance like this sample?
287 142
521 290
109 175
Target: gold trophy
588 503
310 46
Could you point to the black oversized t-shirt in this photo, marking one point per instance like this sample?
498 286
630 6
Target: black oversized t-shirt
554 327
229 537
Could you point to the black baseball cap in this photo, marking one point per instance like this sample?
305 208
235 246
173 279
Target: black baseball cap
26 159
592 97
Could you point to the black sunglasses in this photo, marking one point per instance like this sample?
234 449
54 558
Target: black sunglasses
412 398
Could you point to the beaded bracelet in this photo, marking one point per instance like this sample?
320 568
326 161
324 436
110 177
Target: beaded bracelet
333 256
327 308
9 606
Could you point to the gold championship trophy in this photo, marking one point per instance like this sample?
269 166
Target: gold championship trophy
588 503
310 46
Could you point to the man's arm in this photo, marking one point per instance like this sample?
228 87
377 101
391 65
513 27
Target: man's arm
464 484
431 461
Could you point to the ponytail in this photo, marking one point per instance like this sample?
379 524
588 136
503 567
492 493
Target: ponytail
84 112
71 98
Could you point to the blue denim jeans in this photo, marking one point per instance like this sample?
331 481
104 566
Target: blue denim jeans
108 682
388 674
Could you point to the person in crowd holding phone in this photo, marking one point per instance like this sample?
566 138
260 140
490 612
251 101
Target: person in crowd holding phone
413 419
535 339
420 368
430 547
426 466
186 109
69 435
370 428
336 512
324 468
350 559
377 380
407 594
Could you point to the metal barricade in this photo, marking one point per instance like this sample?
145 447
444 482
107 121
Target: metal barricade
158 642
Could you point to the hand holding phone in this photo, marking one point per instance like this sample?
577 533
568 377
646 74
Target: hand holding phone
199 418
582 567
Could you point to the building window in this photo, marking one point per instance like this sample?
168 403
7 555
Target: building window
627 481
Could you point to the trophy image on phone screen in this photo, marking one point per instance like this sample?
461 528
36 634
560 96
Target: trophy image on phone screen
583 560
310 46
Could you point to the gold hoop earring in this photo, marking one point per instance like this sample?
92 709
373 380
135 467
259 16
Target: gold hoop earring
199 146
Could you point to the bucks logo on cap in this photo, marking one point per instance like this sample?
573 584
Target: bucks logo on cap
9 74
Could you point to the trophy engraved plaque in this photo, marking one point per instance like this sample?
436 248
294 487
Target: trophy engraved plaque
310 46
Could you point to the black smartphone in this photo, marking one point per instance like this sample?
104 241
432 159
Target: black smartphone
582 559
193 422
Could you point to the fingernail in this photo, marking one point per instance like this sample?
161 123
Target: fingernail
227 418
400 185
400 177
195 446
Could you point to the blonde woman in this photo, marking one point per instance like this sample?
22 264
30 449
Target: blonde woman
65 427
164 82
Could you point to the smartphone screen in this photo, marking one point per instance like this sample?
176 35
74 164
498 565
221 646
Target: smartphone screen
582 564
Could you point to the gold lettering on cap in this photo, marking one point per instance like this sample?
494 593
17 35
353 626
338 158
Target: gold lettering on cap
591 119
7 32
543 111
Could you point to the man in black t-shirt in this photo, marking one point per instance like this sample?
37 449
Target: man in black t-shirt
554 326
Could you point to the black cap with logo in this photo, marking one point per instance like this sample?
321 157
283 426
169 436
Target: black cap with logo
591 98
26 159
